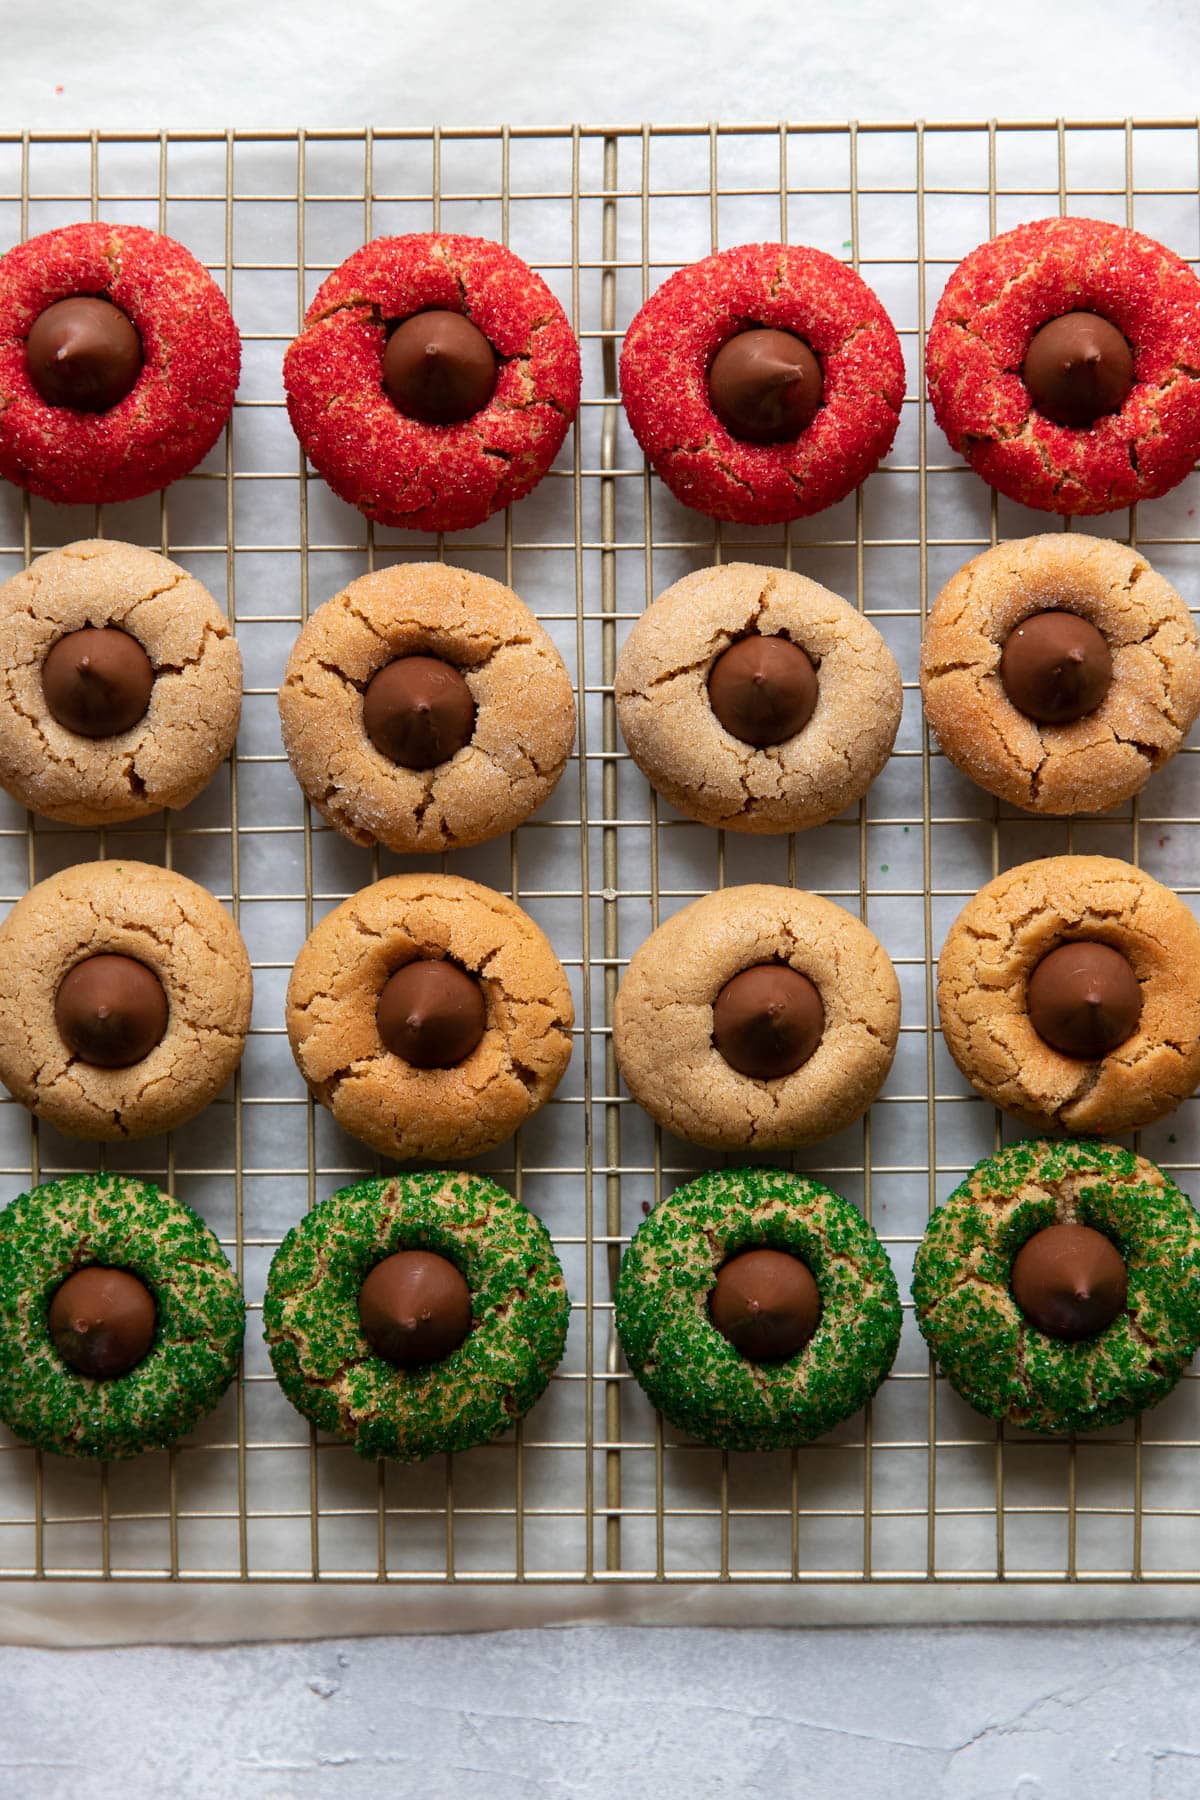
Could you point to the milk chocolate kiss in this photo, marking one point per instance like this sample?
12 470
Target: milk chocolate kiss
767 1020
101 1321
1056 667
1084 1000
763 689
414 1307
1078 368
765 385
418 711
439 368
432 1014
766 1303
1069 1281
83 353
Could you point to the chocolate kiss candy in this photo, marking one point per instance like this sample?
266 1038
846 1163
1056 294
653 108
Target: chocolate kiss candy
766 1303
1069 1281
1056 667
97 682
1078 368
101 1321
765 386
418 711
439 368
83 353
763 690
767 1020
432 1014
110 1011
1084 999
414 1307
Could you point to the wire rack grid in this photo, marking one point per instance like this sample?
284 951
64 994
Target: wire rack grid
591 1487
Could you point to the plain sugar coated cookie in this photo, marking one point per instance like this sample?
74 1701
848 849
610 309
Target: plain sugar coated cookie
757 1018
785 760
125 996
171 388
402 469
499 715
670 353
985 390
120 684
431 1016
1118 1046
1060 671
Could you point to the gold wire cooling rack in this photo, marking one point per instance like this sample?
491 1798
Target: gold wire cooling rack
591 1487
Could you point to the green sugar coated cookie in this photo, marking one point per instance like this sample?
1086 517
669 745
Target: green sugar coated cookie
1000 1362
329 1371
693 1374
119 1223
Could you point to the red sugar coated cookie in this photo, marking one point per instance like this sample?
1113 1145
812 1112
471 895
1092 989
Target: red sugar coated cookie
669 349
996 300
397 470
177 407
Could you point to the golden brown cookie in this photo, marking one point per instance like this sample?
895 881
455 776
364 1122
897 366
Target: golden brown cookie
1000 938
433 1112
663 1025
168 754
173 928
524 722
684 750
1097 760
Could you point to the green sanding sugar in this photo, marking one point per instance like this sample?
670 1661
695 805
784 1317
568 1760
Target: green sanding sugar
119 1223
991 1353
329 1371
692 1373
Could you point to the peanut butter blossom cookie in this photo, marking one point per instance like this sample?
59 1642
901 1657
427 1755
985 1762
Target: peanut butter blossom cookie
757 1017
1059 672
763 383
425 708
1064 365
757 1309
417 1315
434 380
756 700
120 684
119 360
1059 1286
120 1318
430 1015
1069 994
125 996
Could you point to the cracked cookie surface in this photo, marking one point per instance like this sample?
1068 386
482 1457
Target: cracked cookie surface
1004 292
669 349
178 406
1109 754
117 1222
992 1354
693 1374
395 469
998 940
180 932
663 1021
524 720
683 749
415 1114
172 753
519 1305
